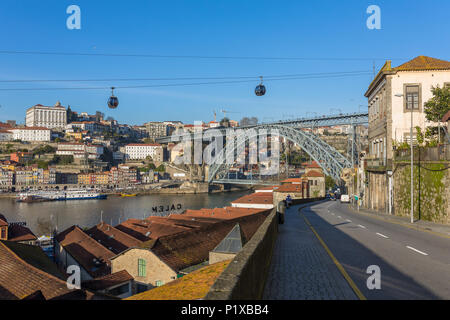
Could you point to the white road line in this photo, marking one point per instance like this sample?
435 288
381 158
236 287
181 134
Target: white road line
339 217
333 214
382 235
414 249
361 226
348 220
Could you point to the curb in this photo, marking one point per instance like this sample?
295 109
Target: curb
401 223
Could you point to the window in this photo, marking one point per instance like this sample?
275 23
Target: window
3 235
412 97
141 268
159 283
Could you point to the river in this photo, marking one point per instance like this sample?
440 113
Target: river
43 217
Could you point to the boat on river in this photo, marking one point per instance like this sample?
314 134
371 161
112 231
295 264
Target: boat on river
40 196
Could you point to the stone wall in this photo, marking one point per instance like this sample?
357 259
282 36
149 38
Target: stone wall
431 191
245 276
156 270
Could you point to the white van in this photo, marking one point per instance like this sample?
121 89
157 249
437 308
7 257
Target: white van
345 198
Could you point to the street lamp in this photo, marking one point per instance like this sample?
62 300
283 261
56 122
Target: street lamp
412 160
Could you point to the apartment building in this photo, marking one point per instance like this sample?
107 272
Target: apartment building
80 150
6 135
49 117
31 134
157 129
396 94
140 151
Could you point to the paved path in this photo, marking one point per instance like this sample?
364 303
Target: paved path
414 264
301 268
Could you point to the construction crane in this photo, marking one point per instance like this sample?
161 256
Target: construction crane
225 112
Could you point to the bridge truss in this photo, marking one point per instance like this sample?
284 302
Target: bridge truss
331 161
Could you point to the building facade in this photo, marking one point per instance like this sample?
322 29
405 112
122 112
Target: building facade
394 96
31 134
49 117
140 151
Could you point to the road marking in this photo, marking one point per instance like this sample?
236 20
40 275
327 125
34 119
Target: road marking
414 249
348 220
382 235
339 217
402 224
361 226
336 262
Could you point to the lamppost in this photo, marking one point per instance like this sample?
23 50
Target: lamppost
412 160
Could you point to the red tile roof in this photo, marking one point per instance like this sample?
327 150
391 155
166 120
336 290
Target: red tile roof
226 213
145 230
314 164
85 250
313 174
265 188
112 238
289 188
19 279
256 198
30 128
17 232
424 63
143 145
105 282
292 180
3 221
192 247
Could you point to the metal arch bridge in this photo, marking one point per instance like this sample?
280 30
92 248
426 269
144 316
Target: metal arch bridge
331 161
326 156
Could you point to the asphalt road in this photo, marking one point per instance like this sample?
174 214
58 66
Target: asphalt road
414 264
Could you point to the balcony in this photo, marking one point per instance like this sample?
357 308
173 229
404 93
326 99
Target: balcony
373 163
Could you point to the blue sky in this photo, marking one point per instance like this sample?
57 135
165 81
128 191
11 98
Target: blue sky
311 29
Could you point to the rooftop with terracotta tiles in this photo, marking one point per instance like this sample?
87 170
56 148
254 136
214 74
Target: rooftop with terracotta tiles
112 238
256 198
20 278
90 254
193 286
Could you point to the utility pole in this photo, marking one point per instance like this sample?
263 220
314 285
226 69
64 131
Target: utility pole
412 166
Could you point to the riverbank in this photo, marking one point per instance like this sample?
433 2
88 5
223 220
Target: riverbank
141 192
44 217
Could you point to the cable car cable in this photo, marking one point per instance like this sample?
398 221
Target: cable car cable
181 84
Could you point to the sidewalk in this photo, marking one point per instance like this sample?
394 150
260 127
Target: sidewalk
301 269
421 225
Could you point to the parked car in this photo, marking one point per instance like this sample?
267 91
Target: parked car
345 198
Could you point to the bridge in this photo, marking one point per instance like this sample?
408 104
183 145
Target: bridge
331 161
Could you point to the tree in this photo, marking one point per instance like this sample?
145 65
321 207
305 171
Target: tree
439 104
245 121
419 135
161 168
329 182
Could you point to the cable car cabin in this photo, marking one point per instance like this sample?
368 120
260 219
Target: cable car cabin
260 90
113 102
